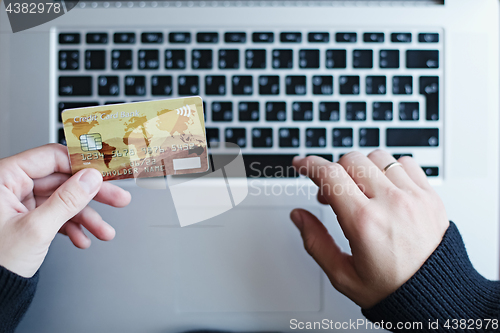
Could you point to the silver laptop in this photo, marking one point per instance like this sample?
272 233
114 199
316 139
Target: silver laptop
278 78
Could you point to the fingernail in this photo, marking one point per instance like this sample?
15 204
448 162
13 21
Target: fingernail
296 159
90 180
296 217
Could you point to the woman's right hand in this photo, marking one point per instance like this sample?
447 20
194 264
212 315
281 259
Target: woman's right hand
393 222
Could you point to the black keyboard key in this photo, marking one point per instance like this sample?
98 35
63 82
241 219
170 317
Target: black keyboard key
342 137
412 137
318 37
329 111
237 136
255 59
275 111
282 59
295 85
429 87
322 84
152 37
309 58
215 85
349 85
269 85
179 37
315 137
242 85
69 38
235 37
161 85
229 59
73 105
382 111
369 137
175 59
328 157
207 37
149 59
373 37
428 38
389 59
408 111
95 59
398 156
402 85
362 59
431 171
222 111
61 138
355 111
69 60
288 137
124 38
75 85
188 85
97 38
248 111
108 85
291 37
422 59
302 111
121 59
401 37
202 59
346 37
113 102
376 85
336 58
135 85
262 137
213 138
269 166
263 37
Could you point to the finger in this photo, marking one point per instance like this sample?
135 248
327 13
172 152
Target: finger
321 246
109 194
94 223
334 184
396 174
67 201
321 198
415 172
366 174
77 236
47 185
113 195
18 171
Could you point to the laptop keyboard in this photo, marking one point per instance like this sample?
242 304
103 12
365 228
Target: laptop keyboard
275 93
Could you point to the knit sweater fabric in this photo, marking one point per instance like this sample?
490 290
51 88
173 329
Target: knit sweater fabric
16 294
445 288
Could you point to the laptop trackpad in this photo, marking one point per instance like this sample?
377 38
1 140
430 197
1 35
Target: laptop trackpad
246 260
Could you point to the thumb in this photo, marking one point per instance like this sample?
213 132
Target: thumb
321 246
69 199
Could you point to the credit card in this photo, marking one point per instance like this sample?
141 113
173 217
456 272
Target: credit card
138 140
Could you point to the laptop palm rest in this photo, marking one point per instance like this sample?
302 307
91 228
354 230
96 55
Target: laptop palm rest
246 260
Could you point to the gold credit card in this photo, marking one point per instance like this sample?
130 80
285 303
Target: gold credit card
137 140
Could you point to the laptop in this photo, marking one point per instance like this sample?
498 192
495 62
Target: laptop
279 79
